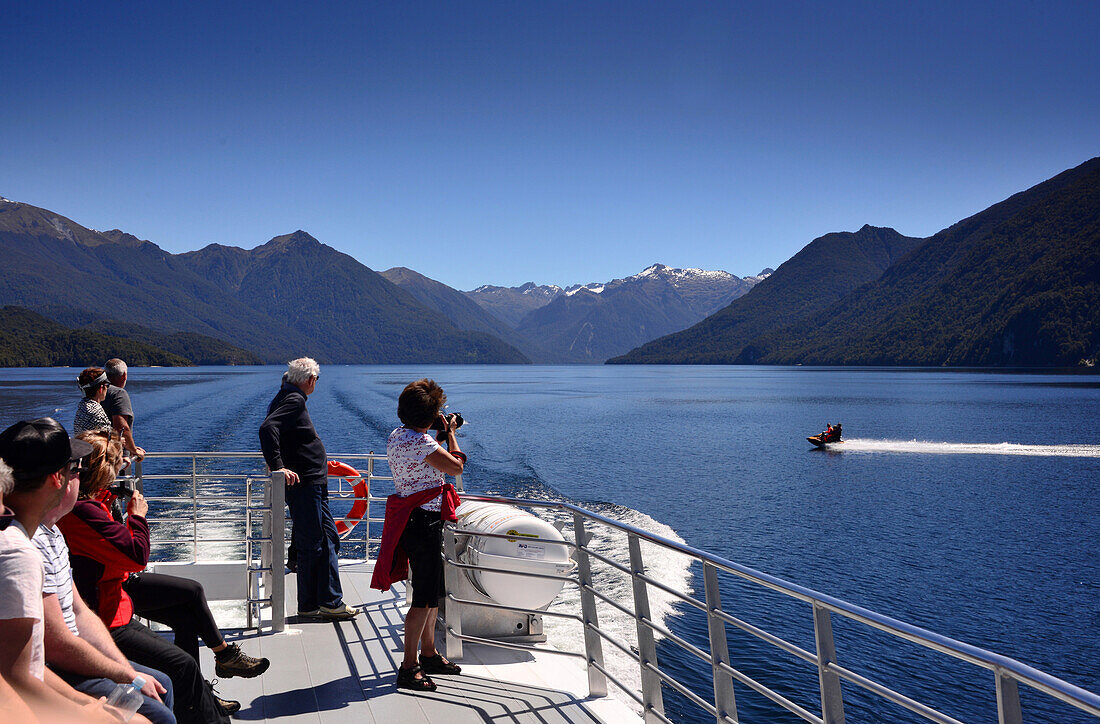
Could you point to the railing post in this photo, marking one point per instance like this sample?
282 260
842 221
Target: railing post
593 645
1008 699
652 697
252 582
719 647
453 620
273 554
366 515
194 509
832 698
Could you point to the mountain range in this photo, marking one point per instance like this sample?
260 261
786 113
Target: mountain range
591 322
294 295
288 297
1016 284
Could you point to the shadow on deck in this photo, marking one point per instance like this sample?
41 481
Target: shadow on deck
341 672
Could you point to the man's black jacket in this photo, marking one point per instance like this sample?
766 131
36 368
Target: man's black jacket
288 439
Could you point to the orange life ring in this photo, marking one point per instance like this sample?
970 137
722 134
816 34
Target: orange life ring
358 486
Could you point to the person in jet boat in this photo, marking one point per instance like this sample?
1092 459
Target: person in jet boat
830 434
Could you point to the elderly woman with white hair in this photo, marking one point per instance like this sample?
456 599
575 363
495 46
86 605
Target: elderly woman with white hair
291 446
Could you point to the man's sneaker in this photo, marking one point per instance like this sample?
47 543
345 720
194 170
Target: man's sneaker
343 612
314 613
231 661
228 706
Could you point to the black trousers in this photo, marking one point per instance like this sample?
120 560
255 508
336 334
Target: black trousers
422 540
179 604
195 702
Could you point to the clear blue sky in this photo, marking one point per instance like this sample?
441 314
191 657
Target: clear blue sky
556 142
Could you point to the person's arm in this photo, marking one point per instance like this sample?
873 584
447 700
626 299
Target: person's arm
122 426
75 654
50 692
271 430
68 652
445 460
92 631
12 706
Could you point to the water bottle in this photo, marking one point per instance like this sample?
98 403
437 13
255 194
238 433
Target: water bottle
127 698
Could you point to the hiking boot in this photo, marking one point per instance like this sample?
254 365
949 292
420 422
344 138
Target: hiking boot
227 706
231 661
343 612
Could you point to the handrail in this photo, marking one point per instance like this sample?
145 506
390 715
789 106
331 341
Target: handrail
1007 672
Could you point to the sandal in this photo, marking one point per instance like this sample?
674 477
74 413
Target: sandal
438 665
407 679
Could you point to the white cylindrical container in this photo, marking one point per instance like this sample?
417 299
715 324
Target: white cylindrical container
532 546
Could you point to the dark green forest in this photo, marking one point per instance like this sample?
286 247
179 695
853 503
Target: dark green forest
30 340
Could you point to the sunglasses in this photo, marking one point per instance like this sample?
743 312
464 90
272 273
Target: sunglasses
77 467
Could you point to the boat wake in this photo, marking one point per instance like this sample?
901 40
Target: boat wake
923 447
672 568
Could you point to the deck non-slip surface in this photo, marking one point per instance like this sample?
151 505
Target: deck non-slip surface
344 672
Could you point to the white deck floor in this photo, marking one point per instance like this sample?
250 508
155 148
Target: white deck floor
344 672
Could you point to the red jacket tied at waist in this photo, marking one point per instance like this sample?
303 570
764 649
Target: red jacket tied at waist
392 564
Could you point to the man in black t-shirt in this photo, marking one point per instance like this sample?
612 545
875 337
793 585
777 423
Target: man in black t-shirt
118 408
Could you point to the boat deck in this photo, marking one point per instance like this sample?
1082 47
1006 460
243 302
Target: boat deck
340 672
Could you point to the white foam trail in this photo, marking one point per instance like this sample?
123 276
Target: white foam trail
924 447
671 568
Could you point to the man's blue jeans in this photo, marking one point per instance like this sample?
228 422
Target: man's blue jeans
152 709
317 544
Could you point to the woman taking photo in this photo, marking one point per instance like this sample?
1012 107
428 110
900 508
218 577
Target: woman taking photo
414 524
109 559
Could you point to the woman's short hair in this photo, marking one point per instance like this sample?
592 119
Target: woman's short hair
102 463
87 379
420 403
298 371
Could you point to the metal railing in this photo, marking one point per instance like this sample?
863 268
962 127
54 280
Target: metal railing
266 586
1007 673
263 569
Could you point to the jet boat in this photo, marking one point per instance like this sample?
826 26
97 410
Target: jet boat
828 436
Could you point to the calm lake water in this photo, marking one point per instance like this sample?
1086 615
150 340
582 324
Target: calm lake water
965 501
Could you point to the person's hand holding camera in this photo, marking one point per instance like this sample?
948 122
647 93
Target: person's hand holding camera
138 505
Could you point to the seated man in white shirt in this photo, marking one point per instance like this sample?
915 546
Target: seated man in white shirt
78 646
12 706
42 458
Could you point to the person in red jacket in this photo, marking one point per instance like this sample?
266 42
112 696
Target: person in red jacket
108 560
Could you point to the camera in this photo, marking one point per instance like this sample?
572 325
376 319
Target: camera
123 487
454 418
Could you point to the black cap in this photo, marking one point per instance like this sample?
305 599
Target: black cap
39 447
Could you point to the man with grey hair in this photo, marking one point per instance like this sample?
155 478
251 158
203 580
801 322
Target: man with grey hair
291 446
117 405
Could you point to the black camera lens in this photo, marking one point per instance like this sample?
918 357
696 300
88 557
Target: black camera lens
454 418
